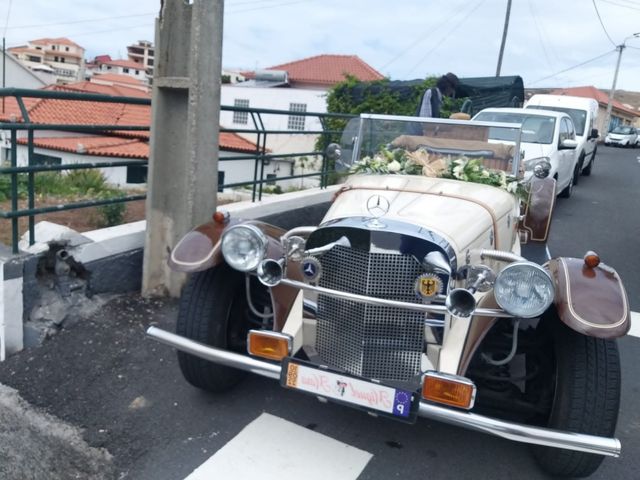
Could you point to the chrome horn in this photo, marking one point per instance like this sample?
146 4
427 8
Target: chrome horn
460 302
270 272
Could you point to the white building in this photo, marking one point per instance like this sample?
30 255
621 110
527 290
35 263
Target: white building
59 57
124 67
142 53
17 75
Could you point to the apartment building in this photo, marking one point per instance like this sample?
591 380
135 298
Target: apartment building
61 58
142 53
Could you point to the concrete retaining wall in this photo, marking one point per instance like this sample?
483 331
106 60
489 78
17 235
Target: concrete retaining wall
107 261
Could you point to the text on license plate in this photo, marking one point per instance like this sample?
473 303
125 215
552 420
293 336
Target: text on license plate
350 390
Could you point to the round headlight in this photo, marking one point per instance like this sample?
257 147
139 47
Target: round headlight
524 289
244 247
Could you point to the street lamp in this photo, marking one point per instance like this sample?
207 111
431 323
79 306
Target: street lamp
620 48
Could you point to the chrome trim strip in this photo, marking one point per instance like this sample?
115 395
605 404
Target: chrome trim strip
216 355
440 309
519 432
509 430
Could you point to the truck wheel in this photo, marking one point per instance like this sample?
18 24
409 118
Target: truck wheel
586 397
587 170
568 190
576 173
212 311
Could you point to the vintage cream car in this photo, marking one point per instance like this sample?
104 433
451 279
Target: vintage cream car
413 297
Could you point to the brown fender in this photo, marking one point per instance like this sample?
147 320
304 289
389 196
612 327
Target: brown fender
200 250
537 216
591 301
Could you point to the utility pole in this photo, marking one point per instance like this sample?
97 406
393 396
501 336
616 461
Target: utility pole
183 179
504 37
607 117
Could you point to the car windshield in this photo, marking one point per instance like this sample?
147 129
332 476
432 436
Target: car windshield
535 128
623 130
578 116
429 142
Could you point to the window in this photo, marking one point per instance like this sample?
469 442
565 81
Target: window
241 117
61 59
33 58
53 47
66 49
55 59
137 72
296 122
271 178
150 62
42 159
125 70
137 174
220 180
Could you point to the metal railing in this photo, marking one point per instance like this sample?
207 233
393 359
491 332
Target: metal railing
260 156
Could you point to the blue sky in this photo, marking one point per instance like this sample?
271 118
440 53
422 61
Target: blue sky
403 39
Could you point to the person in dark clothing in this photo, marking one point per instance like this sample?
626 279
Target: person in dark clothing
432 98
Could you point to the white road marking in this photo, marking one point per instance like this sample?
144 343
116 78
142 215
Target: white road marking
270 448
635 324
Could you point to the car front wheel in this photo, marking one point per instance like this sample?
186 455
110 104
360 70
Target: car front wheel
586 398
214 311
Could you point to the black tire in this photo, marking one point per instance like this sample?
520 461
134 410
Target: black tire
586 397
568 190
211 311
587 170
578 169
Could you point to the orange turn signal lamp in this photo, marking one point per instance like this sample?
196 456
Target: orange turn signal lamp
449 390
221 216
591 259
268 344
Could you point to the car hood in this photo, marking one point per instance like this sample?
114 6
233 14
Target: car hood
468 215
536 150
619 136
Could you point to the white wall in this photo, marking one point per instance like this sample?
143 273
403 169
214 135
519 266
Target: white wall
276 99
19 76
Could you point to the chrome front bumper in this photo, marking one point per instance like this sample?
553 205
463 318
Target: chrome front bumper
512 431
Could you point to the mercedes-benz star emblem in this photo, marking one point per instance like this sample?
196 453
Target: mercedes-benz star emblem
377 206
311 269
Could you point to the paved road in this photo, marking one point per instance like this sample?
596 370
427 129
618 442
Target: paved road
127 395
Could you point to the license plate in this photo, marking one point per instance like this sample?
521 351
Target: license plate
370 396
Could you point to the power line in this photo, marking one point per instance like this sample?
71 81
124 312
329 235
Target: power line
603 28
88 20
574 67
6 22
456 26
421 38
621 5
535 22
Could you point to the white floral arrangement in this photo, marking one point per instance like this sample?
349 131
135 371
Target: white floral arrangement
420 162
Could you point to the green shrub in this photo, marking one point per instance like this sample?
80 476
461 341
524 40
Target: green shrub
113 213
86 181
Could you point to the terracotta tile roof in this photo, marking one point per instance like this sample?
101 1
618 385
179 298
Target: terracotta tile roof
102 146
125 64
328 69
117 78
55 41
598 95
79 112
115 146
102 58
24 49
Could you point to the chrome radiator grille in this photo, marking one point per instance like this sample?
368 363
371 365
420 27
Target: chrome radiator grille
371 341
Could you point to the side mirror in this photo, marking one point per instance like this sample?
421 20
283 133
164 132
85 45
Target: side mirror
594 133
568 144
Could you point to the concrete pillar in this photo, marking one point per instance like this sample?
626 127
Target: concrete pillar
183 164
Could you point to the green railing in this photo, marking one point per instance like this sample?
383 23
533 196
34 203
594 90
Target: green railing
260 156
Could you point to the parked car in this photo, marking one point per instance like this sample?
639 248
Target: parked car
546 135
412 297
584 113
622 136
